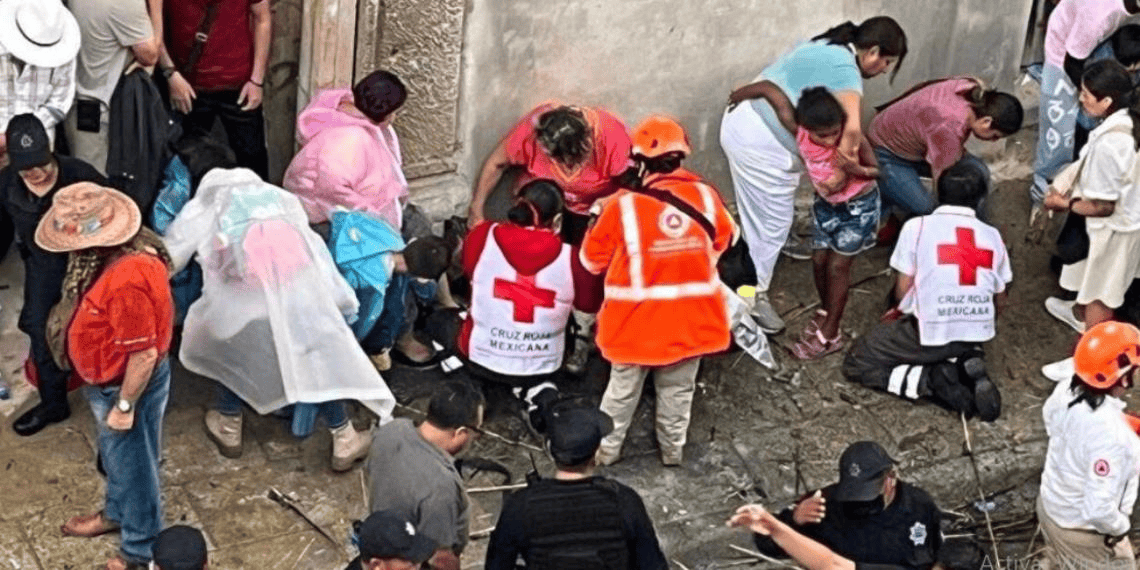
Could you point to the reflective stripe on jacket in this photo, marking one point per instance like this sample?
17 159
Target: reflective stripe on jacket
663 302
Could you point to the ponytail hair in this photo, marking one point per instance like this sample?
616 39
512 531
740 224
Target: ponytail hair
538 202
1109 78
882 32
1003 109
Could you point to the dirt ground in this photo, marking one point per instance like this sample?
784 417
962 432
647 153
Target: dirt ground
756 435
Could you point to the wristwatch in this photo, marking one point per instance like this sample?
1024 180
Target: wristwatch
125 406
168 71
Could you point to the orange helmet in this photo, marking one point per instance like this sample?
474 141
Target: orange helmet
1105 353
659 135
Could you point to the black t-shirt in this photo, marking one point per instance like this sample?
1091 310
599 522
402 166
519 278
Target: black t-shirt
509 539
26 208
907 534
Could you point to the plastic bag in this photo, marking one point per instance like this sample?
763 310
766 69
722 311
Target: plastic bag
746 331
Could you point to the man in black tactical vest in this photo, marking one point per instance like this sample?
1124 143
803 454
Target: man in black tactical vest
575 520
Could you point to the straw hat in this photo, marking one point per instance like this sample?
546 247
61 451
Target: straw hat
85 215
40 32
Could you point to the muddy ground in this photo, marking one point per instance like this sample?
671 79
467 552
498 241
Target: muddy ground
756 436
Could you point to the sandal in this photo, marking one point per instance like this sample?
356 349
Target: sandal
813 325
816 346
88 526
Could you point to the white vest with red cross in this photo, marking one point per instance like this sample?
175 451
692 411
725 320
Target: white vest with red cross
519 321
959 263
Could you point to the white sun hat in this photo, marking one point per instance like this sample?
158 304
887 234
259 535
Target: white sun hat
40 32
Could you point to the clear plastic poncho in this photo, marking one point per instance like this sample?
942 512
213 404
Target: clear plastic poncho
271 323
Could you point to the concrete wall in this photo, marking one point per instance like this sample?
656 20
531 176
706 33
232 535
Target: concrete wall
680 57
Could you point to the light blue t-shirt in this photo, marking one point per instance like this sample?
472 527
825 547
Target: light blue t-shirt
810 64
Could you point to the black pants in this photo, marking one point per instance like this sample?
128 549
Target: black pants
875 356
43 275
244 129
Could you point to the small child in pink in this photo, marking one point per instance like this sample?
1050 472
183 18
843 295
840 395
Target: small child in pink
845 213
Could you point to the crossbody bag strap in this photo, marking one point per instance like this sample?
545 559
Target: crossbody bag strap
201 36
681 205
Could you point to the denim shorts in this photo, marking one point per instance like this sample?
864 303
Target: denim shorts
847 228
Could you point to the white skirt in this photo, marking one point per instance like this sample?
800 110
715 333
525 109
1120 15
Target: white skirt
1113 262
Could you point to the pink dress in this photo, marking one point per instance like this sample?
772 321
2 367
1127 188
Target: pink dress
820 164
345 161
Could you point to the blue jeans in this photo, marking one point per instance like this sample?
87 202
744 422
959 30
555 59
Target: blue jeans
335 412
1056 124
900 187
131 459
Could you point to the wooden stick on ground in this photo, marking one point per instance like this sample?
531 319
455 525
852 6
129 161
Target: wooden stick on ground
486 431
763 557
981 493
496 488
481 533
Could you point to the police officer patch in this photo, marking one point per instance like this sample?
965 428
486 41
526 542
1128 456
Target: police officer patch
918 534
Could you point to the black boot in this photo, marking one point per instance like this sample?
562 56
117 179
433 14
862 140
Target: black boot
987 399
942 382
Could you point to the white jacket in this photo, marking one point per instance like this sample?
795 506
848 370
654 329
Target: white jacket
1092 466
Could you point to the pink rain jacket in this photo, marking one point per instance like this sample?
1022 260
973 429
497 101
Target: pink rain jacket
346 161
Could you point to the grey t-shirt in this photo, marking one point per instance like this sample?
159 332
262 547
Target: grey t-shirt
411 476
108 29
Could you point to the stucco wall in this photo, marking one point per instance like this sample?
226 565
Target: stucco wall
681 57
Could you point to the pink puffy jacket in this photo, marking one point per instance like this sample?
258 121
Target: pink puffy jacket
345 160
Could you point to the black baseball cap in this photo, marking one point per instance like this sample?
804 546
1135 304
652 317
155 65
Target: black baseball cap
862 468
575 432
28 143
386 535
180 548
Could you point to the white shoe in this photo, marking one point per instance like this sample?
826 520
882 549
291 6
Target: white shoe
225 432
1060 371
766 316
349 446
796 248
1063 311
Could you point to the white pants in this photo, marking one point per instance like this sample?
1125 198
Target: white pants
765 176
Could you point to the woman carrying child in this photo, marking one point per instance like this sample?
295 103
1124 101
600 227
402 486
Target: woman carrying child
763 157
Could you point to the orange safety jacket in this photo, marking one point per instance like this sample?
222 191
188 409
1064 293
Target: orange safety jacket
663 301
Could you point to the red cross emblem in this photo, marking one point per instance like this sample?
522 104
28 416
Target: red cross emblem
525 295
967 256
